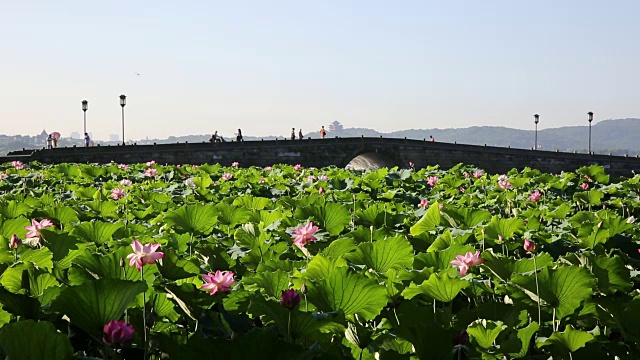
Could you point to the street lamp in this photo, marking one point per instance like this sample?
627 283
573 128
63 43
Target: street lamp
123 102
590 114
536 120
85 107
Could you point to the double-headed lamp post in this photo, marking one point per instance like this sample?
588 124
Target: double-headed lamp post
536 120
123 102
85 107
590 118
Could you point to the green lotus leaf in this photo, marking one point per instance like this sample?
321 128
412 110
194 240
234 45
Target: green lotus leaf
563 288
505 228
301 324
517 345
390 253
14 209
351 293
30 340
271 283
97 232
485 332
442 287
174 268
193 218
428 222
612 275
570 339
15 226
232 215
95 303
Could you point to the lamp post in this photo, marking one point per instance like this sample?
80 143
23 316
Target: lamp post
590 114
123 102
536 120
85 107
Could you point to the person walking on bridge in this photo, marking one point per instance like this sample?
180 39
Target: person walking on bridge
87 140
300 134
293 133
239 136
323 132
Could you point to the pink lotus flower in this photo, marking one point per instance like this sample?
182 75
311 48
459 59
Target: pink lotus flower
262 180
529 246
587 177
15 242
462 190
323 178
410 163
423 203
310 178
267 168
150 172
34 229
17 165
150 163
227 176
3 176
220 282
584 186
117 194
235 164
304 234
535 196
463 263
466 174
144 254
504 184
123 167
126 182
189 182
117 333
503 177
290 299
432 180
178 166
478 174
297 167
631 220
194 167
321 191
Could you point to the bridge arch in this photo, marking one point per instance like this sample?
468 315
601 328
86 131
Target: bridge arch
368 157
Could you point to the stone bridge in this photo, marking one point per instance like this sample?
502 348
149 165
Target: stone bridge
361 152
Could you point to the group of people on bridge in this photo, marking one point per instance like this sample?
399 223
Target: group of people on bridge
215 137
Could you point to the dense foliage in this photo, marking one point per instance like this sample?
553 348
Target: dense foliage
296 263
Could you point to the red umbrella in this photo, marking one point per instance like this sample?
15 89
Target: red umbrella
55 135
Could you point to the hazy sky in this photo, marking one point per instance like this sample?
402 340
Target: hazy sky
267 66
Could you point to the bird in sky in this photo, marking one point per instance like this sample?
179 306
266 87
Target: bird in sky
138 74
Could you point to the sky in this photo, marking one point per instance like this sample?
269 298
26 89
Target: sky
268 66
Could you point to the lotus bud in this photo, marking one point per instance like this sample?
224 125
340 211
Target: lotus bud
631 219
321 191
462 338
304 289
290 299
529 245
15 242
117 333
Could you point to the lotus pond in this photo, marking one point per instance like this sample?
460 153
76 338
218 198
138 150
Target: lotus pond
186 262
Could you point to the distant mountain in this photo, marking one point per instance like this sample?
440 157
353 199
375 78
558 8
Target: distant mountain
618 137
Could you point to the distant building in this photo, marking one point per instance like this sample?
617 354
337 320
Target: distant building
335 126
42 138
76 135
114 137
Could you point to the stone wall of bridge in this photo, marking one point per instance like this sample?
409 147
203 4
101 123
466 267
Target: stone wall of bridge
338 152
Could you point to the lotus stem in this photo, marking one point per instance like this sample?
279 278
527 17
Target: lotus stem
535 273
361 350
144 313
289 327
